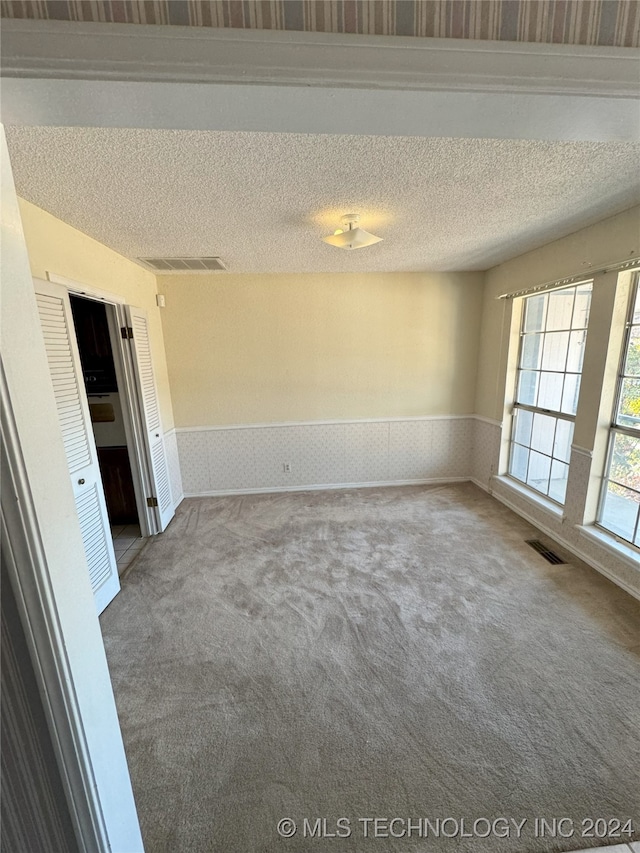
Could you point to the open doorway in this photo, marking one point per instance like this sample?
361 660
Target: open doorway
107 406
123 348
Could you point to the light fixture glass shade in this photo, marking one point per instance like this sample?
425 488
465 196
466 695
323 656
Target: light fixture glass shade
353 238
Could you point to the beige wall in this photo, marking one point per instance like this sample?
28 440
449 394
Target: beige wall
247 349
58 248
613 239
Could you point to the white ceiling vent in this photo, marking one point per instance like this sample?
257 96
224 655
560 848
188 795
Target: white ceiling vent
184 265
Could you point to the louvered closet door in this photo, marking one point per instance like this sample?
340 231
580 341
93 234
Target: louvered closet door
148 393
73 412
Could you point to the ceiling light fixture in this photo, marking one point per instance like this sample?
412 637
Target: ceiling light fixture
350 236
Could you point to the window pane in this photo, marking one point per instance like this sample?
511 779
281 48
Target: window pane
576 351
548 381
527 387
625 460
522 426
620 510
560 309
519 462
539 470
554 355
582 306
558 481
562 443
629 408
636 308
544 428
632 361
550 394
531 350
570 393
535 309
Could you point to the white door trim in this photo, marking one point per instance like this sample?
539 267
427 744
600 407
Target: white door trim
81 289
38 613
131 410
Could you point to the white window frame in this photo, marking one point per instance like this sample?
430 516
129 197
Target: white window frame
619 429
538 409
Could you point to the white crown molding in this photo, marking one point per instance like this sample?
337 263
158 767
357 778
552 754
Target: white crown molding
144 53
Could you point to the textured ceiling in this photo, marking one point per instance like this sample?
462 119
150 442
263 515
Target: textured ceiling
262 201
601 22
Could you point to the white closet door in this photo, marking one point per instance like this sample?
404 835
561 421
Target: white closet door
73 413
148 395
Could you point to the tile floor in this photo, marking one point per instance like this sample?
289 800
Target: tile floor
127 543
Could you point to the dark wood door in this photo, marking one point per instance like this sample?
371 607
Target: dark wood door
118 485
94 344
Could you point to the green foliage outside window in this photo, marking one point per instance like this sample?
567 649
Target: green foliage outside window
630 399
625 462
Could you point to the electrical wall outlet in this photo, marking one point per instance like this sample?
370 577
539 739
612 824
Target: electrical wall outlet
286 467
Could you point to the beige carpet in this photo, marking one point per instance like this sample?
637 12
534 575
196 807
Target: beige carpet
383 653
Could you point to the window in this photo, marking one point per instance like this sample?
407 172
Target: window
552 338
620 502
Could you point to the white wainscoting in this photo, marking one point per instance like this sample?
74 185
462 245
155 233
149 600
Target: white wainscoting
241 459
173 461
486 450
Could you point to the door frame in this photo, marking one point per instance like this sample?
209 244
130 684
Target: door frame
130 401
26 563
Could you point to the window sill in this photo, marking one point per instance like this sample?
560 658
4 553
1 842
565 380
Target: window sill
608 541
538 501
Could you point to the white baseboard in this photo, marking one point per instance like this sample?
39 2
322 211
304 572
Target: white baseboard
318 487
569 546
480 485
